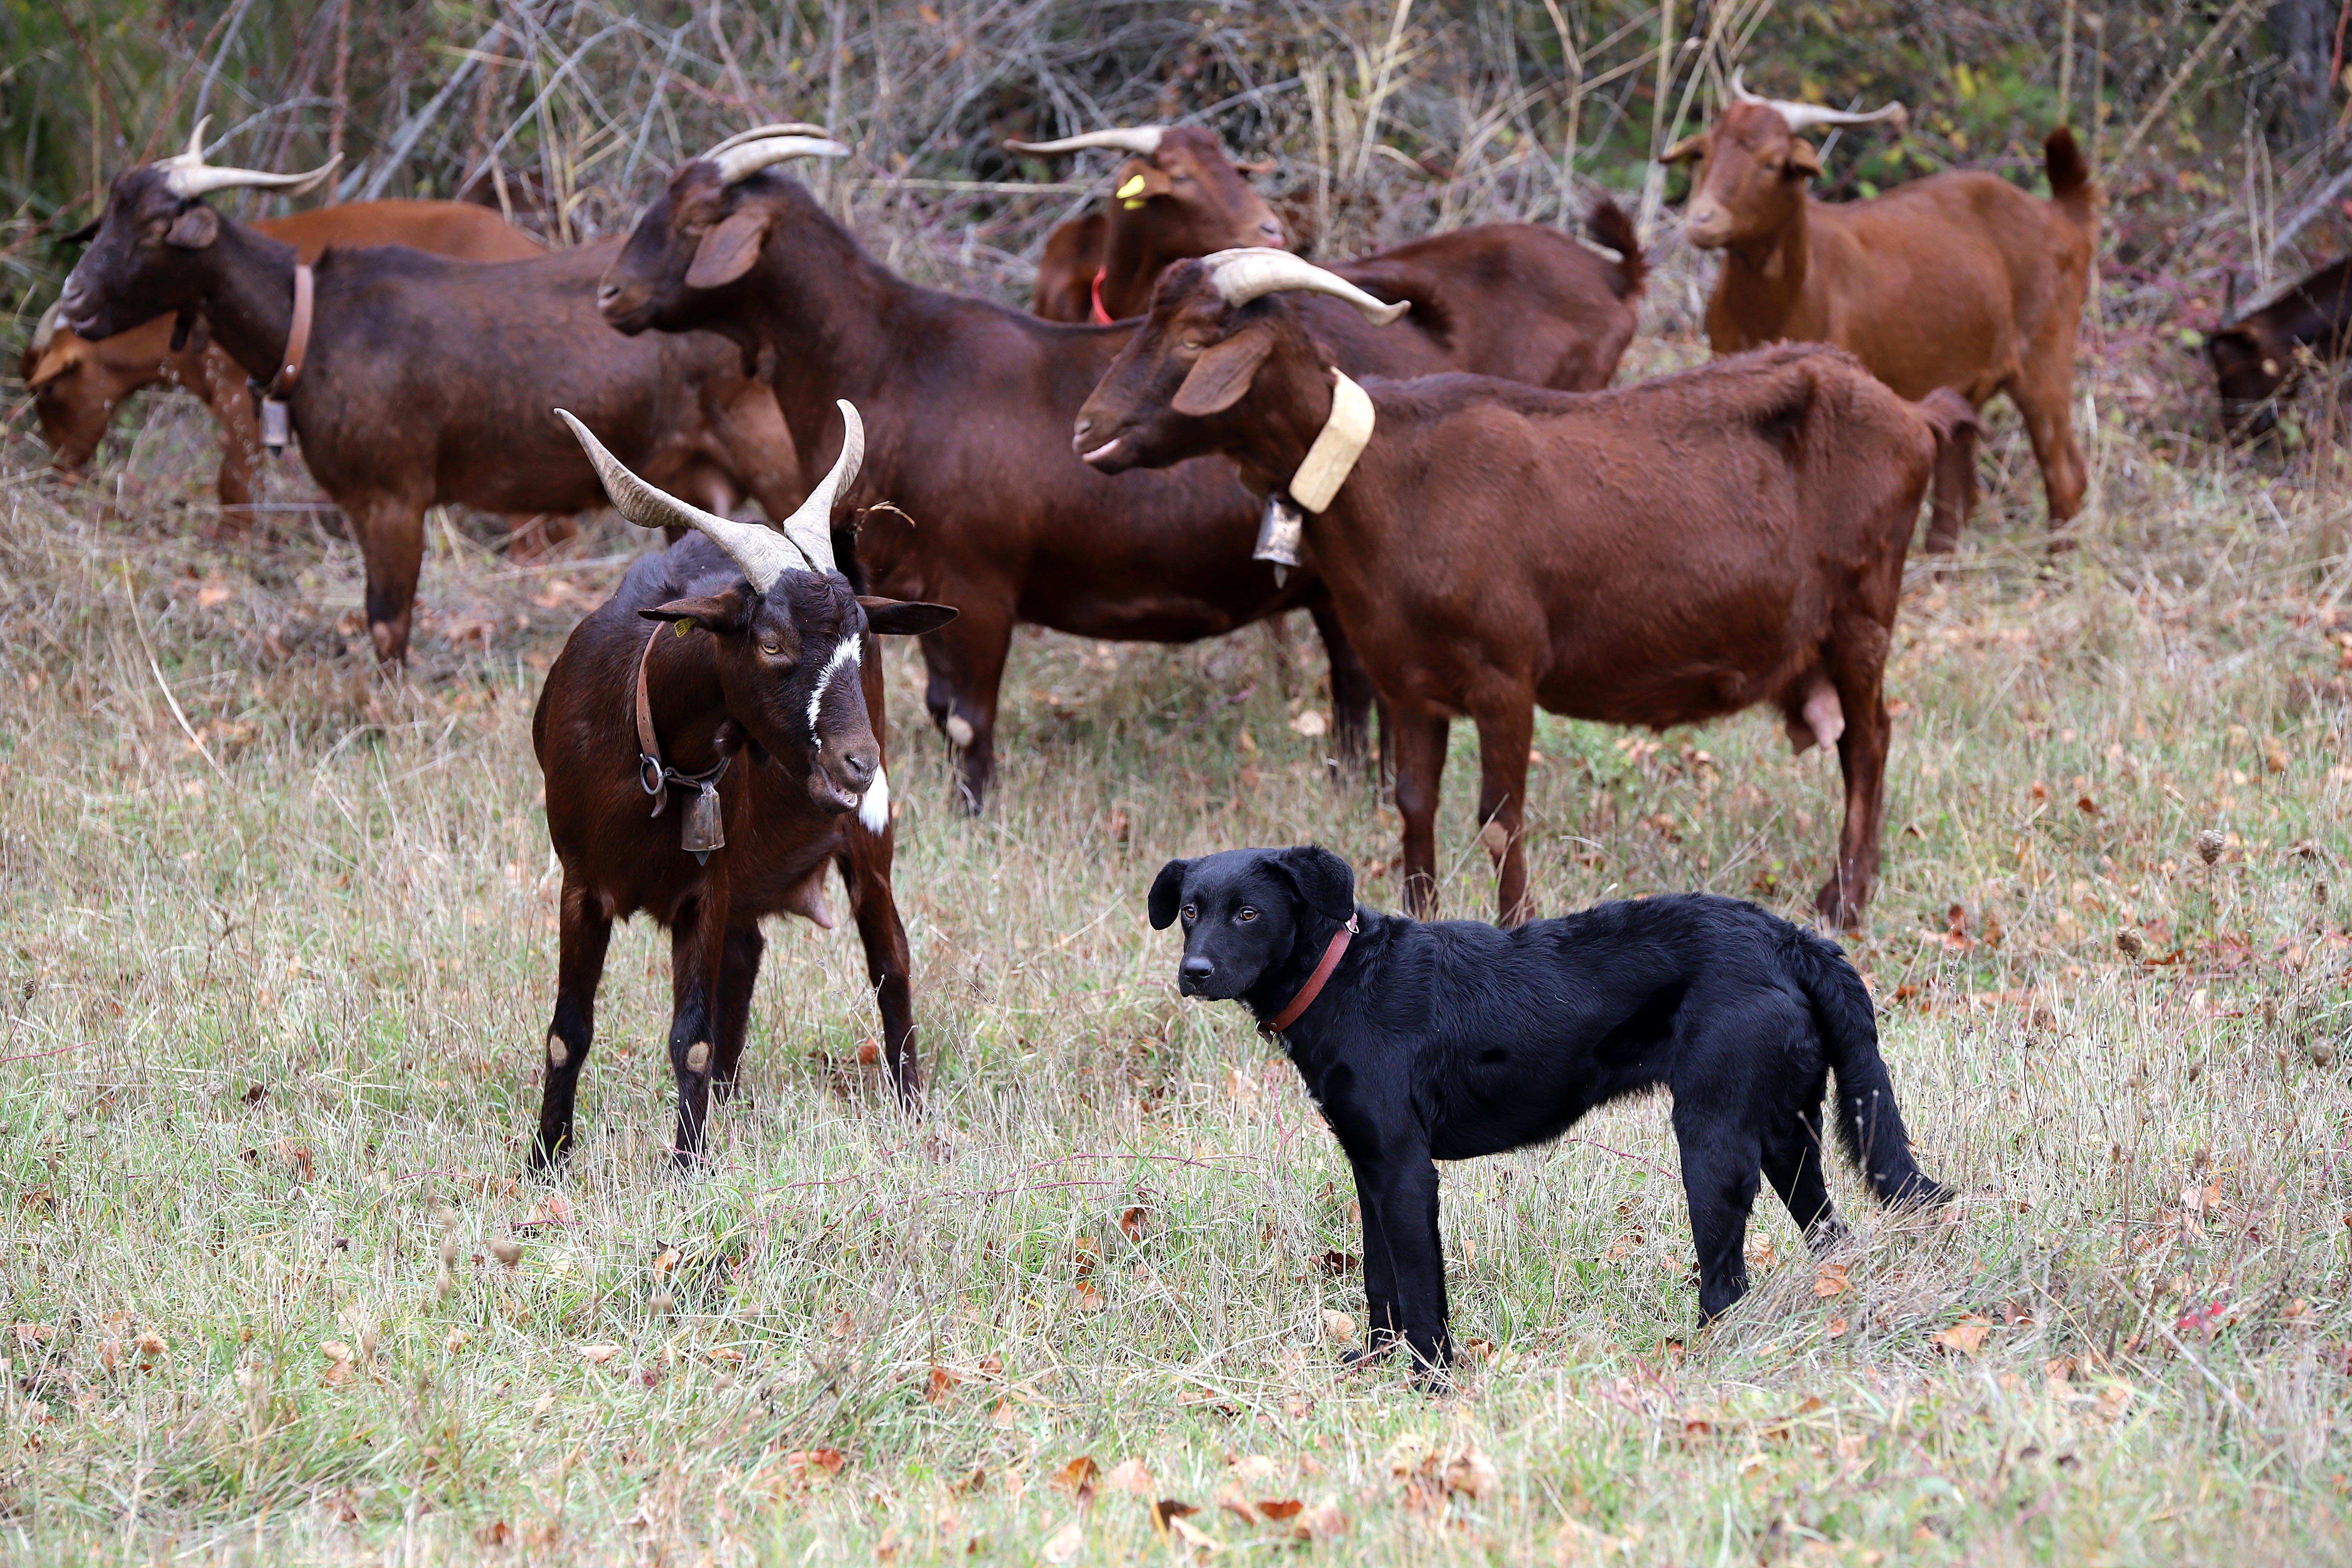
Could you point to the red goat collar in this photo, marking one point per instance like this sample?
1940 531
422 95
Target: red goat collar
298 336
1102 317
1315 981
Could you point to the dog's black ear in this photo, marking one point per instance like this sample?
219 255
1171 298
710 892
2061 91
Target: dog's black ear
1167 893
1324 880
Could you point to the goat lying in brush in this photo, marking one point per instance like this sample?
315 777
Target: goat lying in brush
425 381
1658 554
1958 280
758 652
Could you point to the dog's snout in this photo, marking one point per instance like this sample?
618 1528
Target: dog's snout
1195 970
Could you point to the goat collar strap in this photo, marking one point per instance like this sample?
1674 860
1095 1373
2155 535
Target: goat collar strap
654 776
1332 954
1102 318
1333 456
298 336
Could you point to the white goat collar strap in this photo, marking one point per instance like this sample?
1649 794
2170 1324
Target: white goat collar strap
1333 456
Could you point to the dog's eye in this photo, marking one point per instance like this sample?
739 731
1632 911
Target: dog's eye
1191 914
1245 914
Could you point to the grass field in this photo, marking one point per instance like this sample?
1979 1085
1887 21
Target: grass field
279 948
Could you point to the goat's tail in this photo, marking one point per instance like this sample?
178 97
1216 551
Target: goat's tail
1868 1123
2070 177
1608 225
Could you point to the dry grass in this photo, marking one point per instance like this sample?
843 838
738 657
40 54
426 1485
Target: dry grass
272 1011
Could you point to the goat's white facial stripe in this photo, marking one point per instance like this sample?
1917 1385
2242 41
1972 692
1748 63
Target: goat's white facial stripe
845 652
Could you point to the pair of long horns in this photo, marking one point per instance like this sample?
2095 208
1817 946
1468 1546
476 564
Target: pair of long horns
803 539
1251 273
1805 116
747 153
1143 141
186 174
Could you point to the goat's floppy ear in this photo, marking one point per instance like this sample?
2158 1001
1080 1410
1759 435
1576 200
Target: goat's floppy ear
1168 893
1324 880
727 251
904 618
57 360
723 612
1683 151
195 228
1804 159
1224 372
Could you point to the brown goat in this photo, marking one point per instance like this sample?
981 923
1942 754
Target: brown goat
1958 280
77 385
764 631
1678 549
427 379
2258 358
1177 195
1514 299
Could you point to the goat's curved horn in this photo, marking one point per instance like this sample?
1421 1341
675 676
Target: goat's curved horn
1805 116
186 174
762 552
47 328
746 158
1143 141
1241 276
810 528
781 128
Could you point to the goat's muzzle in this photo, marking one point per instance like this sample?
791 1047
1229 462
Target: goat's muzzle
839 779
1707 226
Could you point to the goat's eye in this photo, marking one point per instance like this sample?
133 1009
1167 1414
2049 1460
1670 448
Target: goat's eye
771 649
1245 914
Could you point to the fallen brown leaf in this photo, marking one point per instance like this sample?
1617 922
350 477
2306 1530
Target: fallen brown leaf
1130 1476
1967 1336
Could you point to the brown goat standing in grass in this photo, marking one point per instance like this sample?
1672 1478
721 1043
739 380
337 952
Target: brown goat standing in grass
773 665
77 385
1958 281
427 379
1514 299
1678 550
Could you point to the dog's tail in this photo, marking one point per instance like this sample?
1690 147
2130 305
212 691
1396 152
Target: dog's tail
1868 1122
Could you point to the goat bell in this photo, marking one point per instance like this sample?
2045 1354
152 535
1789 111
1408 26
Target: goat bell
1278 533
704 827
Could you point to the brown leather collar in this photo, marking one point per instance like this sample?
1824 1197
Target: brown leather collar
654 776
1315 981
298 336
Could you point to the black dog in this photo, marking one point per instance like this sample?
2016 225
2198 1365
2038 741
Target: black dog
1454 1038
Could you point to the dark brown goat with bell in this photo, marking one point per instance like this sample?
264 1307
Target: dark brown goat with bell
711 738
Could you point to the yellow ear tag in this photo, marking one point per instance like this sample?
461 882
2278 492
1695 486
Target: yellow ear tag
684 627
1134 184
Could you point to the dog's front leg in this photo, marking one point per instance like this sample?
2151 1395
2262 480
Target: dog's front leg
1403 1194
1383 1320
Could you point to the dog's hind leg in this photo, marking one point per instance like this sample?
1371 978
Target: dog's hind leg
1720 1156
1792 1164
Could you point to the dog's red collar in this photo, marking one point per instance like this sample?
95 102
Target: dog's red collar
1315 981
